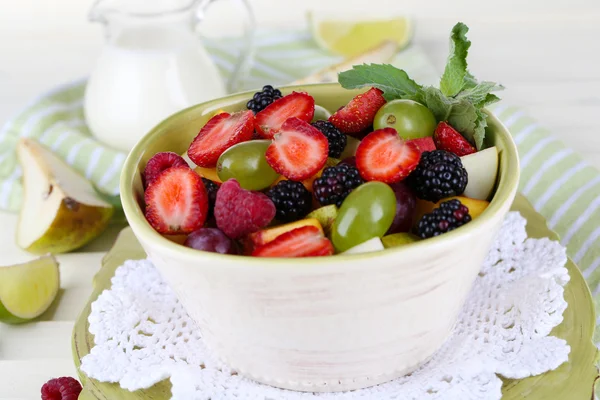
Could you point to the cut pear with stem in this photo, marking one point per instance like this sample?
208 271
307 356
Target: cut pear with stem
27 290
61 210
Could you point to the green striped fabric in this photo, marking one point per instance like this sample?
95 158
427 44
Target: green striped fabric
560 184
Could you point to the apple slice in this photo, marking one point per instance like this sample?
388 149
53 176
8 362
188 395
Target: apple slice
369 246
482 168
61 210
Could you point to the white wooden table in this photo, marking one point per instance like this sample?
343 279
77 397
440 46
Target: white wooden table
546 52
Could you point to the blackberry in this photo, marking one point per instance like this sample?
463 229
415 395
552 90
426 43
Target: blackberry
336 183
448 216
440 174
292 200
262 99
211 189
337 140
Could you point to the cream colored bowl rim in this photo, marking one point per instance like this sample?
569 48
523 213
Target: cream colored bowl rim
508 178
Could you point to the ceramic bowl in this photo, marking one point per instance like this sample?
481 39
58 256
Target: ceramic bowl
323 323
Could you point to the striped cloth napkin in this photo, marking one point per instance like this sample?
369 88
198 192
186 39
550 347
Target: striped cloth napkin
559 183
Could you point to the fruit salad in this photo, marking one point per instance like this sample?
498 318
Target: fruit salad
399 163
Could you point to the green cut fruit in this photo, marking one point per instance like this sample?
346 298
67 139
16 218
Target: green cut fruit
326 216
27 290
410 119
398 239
321 114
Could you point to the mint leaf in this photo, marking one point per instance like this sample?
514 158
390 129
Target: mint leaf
440 105
463 118
453 79
479 93
480 125
489 99
394 82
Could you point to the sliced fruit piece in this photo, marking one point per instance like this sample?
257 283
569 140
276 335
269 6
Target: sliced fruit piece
297 104
369 246
398 239
351 146
383 156
409 118
423 144
246 163
321 114
359 113
208 173
366 213
239 212
176 202
307 241
299 150
326 216
482 169
160 162
350 37
27 290
265 236
220 133
61 210
447 138
475 206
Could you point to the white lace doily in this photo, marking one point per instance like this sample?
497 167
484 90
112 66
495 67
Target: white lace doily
143 335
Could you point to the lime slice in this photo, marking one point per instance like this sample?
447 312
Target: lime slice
353 37
27 290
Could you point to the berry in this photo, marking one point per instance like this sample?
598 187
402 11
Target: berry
239 212
160 162
440 174
292 200
337 140
448 216
307 241
298 151
359 113
211 191
176 202
383 156
262 99
405 208
65 388
447 138
336 183
220 133
423 144
210 239
298 104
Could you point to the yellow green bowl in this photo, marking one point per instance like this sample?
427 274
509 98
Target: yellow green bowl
323 323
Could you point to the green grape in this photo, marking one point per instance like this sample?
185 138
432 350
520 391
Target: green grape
410 119
366 213
246 163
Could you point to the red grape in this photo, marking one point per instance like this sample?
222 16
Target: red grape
405 208
211 239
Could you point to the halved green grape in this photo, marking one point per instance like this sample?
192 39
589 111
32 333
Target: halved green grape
410 119
246 163
366 213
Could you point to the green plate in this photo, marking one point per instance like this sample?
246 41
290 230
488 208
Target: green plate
573 380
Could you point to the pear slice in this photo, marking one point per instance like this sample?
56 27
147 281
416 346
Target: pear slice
369 246
482 169
61 210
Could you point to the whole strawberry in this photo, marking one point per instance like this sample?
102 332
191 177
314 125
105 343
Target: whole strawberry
359 113
65 388
447 138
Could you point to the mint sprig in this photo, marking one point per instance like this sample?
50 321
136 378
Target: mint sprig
459 100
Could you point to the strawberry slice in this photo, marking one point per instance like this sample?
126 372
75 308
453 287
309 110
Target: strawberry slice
307 241
423 144
447 138
358 115
383 156
160 162
176 201
298 104
220 133
298 151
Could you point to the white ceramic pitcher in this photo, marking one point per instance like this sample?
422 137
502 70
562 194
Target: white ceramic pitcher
152 65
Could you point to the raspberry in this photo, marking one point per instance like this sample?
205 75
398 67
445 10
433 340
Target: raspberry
211 190
336 183
160 162
337 140
447 217
440 174
292 200
239 212
65 388
262 99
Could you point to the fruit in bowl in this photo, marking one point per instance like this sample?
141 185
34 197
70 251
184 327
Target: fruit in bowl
317 273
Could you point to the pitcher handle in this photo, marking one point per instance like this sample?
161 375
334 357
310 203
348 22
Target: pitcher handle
244 61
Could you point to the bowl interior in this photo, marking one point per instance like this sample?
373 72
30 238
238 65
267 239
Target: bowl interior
176 133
